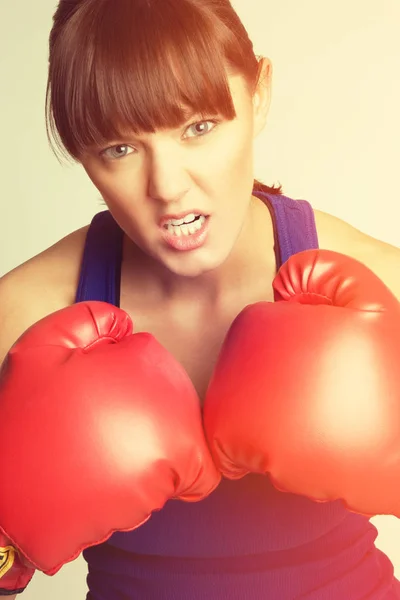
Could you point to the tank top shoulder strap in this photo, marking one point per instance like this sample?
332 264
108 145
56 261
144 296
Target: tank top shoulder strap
101 263
294 225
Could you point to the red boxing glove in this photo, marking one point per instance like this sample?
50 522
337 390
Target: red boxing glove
15 573
99 427
307 389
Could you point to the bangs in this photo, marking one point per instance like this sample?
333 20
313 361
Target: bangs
144 66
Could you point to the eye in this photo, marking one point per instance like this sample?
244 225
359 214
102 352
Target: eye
117 152
202 123
122 150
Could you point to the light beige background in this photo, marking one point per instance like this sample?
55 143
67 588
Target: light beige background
332 138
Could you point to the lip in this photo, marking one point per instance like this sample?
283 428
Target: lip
164 219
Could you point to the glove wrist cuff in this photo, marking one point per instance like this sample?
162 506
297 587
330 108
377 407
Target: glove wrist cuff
15 575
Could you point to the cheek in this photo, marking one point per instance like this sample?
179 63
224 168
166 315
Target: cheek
233 156
116 190
115 185
125 200
236 169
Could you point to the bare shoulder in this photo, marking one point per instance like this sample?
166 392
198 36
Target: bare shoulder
382 258
41 285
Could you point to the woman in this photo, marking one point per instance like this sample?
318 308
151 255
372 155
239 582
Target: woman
161 102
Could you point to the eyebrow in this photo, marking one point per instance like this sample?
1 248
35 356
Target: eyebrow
190 113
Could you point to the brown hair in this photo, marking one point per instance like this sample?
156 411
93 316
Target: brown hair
141 64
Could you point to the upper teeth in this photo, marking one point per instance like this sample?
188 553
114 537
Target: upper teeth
188 219
186 228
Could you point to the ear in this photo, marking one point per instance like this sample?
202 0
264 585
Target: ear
262 96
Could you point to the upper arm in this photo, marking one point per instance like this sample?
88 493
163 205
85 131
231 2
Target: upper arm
42 285
382 258
19 309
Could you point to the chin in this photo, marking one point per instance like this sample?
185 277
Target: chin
194 265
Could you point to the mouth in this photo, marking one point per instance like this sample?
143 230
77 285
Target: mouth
186 232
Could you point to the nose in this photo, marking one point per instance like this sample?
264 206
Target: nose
168 179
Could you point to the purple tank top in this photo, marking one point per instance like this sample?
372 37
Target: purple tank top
246 541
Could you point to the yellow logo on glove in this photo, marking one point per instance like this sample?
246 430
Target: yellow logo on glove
7 558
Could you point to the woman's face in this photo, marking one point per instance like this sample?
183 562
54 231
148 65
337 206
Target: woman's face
201 173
